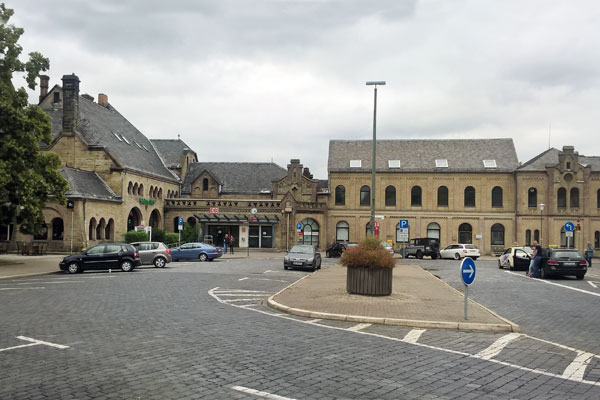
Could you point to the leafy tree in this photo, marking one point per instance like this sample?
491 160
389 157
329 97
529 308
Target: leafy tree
189 233
28 177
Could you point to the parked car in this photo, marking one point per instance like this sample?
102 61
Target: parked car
459 251
419 247
388 247
102 256
516 258
336 249
156 253
302 256
563 262
196 251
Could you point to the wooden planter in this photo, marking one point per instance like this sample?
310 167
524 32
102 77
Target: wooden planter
373 281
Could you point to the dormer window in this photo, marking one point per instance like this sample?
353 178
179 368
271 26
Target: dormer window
489 164
441 163
355 163
56 97
394 163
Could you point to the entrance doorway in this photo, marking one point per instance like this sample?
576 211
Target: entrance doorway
218 234
260 237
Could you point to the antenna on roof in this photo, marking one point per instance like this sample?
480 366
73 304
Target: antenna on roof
178 136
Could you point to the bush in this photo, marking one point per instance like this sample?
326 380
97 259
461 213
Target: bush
158 235
189 233
133 236
171 238
369 253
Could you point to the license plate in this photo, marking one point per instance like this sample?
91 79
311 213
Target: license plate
570 264
298 263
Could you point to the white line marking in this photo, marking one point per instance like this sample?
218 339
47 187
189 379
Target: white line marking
18 347
556 284
593 284
238 291
576 369
314 321
243 279
243 294
259 393
358 327
413 336
28 339
266 279
495 348
23 288
234 300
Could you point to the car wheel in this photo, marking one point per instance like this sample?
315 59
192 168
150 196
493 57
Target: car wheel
73 268
285 267
160 262
320 261
202 257
434 256
579 276
457 256
314 265
419 255
126 266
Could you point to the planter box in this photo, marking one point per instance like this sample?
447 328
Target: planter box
373 281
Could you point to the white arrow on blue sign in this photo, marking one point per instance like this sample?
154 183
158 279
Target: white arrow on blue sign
403 223
569 226
467 270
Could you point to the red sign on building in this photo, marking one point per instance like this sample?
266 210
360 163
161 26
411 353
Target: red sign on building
213 210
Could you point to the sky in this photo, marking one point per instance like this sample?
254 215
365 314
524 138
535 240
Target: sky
274 80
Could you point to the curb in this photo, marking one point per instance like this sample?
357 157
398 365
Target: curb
31 274
460 326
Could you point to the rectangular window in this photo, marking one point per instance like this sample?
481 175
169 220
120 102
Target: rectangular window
489 164
355 163
441 163
394 163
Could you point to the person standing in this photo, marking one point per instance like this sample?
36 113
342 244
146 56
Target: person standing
231 243
226 242
589 253
536 263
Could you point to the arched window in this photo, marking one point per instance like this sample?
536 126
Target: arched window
134 219
433 230
532 197
536 235
155 192
365 196
415 196
561 198
176 224
155 219
141 190
191 221
340 195
465 234
92 229
342 231
205 184
135 189
442 198
574 198
310 232
390 196
109 230
151 191
469 197
497 235
497 196
130 188
528 237
160 193
598 199
368 231
58 229
41 233
100 229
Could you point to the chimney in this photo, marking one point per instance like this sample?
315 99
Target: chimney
103 99
307 173
44 79
70 102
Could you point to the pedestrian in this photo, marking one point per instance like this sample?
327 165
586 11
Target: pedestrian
589 253
536 263
231 243
225 243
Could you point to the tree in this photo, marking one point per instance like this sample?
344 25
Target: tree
28 177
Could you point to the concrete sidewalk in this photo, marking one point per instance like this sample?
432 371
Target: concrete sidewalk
418 299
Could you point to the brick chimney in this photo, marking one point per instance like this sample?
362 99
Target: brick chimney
103 99
44 80
70 102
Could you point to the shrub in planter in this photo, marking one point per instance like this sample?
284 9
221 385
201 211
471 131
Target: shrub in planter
370 268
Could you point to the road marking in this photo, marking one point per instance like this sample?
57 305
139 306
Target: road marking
576 369
413 336
495 348
593 284
266 279
35 283
314 321
18 347
244 294
358 327
237 291
243 279
259 393
34 342
555 284
23 288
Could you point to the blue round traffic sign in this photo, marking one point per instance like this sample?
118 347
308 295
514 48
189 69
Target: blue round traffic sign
569 226
467 270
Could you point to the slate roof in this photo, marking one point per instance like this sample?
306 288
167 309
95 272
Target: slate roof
171 150
87 184
419 155
98 126
237 177
550 157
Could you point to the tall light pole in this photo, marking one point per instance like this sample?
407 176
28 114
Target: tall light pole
372 223
541 222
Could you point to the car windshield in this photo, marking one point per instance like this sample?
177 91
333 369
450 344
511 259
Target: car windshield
302 248
470 246
569 254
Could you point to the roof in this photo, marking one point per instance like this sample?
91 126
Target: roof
171 150
550 157
87 184
107 128
420 155
237 177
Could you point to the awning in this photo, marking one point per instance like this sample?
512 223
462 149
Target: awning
237 219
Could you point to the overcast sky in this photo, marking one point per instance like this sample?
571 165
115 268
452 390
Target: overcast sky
275 79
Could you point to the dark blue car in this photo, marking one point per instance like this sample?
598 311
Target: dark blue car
196 251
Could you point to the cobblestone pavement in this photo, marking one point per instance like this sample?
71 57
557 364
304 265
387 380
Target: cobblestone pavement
202 330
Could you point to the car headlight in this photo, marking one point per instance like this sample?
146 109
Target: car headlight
309 260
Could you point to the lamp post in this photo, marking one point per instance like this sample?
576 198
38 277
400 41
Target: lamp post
541 222
372 223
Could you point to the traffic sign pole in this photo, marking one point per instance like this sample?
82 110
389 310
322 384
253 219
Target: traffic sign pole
466 302
467 274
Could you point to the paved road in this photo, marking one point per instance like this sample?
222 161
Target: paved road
202 330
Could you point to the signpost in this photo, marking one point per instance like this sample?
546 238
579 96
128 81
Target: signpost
467 274
403 234
179 227
569 228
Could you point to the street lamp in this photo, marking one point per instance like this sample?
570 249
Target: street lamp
372 223
541 222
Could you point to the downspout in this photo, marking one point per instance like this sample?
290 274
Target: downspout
516 207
